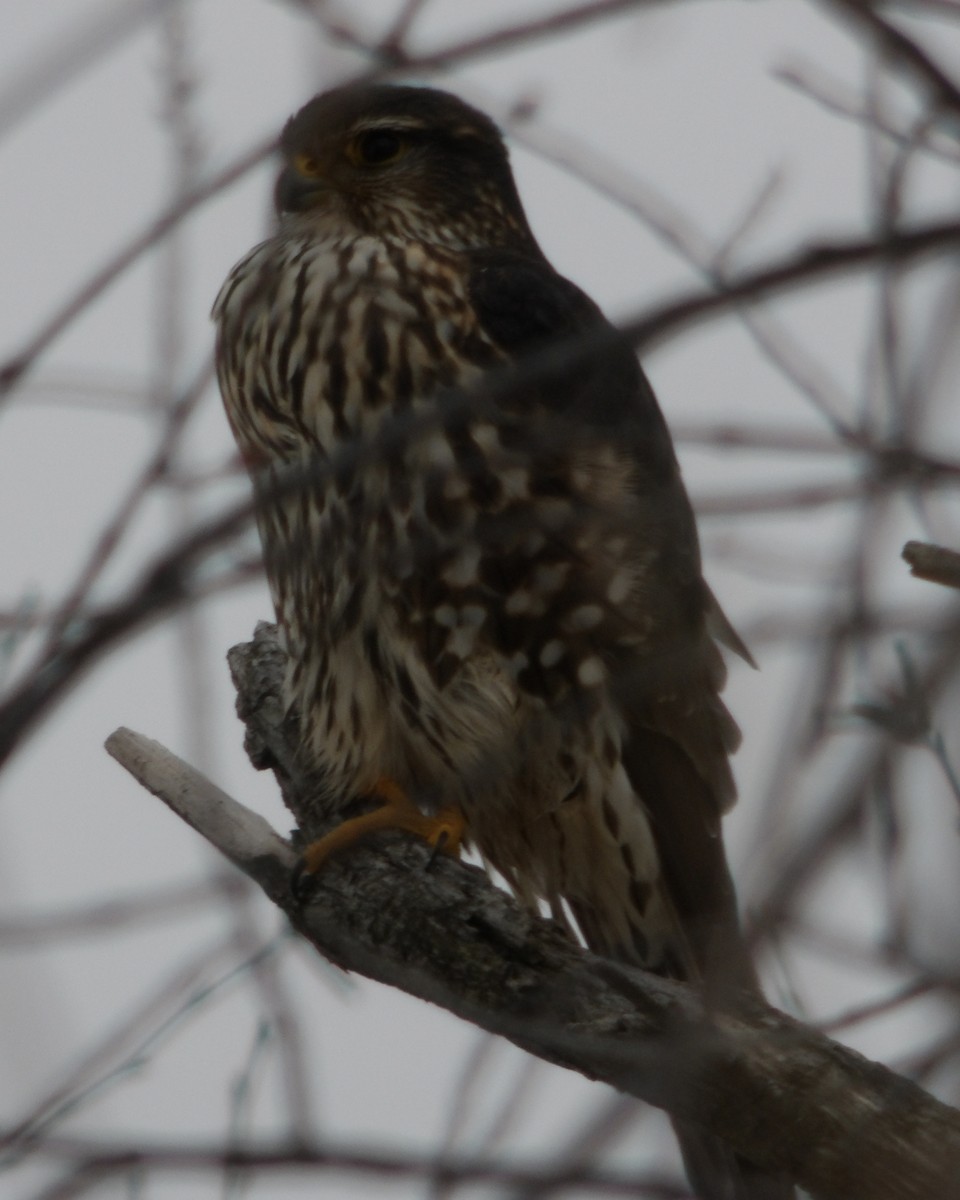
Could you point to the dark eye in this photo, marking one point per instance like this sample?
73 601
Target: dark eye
378 146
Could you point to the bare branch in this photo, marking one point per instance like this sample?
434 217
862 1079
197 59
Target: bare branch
14 368
935 563
392 53
785 1096
72 50
903 50
93 1160
161 904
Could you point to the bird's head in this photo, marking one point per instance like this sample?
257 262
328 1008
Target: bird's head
407 162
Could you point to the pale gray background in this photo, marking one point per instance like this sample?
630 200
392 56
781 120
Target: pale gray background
680 103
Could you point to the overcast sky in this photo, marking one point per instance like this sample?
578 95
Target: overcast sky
683 106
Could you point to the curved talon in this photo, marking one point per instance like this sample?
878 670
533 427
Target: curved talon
447 834
443 831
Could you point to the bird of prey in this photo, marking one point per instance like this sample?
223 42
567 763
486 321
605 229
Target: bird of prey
483 560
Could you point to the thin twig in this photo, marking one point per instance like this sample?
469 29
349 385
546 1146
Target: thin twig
934 563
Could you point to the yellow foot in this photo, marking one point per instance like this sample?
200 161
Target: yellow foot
443 830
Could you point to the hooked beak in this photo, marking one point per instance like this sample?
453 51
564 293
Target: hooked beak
296 192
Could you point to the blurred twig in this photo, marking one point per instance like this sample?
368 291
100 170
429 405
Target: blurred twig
934 563
92 1161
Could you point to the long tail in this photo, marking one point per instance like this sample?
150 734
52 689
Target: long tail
715 1172
684 817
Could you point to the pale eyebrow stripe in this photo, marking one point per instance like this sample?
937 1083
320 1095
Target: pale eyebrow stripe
398 123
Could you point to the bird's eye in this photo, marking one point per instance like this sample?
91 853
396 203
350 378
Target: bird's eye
377 147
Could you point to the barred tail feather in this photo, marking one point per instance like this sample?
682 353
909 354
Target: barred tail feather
715 1172
684 816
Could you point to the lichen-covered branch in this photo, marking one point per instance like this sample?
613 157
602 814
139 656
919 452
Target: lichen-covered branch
786 1097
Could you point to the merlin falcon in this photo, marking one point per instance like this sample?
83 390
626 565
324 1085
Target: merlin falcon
483 560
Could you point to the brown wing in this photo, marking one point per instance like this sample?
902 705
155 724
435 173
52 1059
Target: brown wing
666 669
667 677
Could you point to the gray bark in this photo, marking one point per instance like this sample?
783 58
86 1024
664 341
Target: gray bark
784 1096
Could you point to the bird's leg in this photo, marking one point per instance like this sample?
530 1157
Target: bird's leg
443 830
